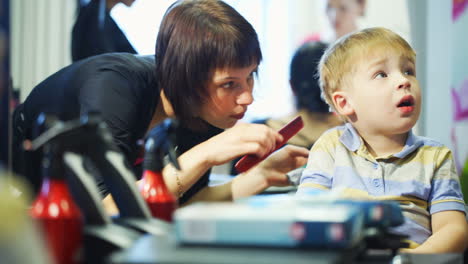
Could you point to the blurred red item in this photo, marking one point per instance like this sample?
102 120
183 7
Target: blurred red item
160 200
60 220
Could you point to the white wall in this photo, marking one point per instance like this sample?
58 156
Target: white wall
391 14
40 40
432 33
459 86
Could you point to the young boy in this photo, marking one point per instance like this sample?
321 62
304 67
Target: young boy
369 79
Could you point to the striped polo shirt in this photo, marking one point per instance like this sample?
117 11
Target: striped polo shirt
421 177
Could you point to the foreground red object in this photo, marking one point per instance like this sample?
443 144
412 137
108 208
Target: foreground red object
160 200
60 221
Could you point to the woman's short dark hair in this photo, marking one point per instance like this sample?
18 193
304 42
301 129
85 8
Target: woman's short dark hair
304 77
195 38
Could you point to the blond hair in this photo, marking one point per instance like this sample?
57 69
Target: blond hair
339 60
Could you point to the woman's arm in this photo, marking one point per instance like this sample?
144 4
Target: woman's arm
237 141
270 172
449 234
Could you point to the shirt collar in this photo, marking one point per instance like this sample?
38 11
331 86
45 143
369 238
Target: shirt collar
353 142
350 138
413 142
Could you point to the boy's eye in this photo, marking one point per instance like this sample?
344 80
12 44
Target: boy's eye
380 75
410 72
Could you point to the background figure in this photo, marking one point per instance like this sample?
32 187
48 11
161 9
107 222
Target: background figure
309 104
343 15
95 32
307 94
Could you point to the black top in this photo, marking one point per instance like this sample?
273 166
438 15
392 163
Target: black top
95 32
119 86
122 88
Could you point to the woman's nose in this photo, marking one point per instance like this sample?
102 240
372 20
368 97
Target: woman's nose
245 97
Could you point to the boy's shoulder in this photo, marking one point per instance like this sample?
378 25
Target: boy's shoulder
346 135
330 138
334 132
426 144
426 141
425 149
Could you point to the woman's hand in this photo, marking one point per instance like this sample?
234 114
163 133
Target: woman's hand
240 140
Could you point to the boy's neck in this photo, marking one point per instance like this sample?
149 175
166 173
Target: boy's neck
380 145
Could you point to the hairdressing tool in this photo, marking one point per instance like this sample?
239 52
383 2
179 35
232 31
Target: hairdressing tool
288 131
161 202
54 209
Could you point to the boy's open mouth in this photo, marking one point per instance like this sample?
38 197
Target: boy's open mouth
406 104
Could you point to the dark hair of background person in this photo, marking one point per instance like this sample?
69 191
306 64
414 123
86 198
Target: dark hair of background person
304 77
95 31
228 41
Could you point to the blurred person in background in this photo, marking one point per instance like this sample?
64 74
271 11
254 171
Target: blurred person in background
309 105
95 31
343 16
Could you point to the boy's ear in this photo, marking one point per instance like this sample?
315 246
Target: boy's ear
342 104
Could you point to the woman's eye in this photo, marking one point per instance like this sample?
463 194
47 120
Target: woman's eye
380 75
227 85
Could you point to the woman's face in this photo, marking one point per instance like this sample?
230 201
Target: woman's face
343 15
229 95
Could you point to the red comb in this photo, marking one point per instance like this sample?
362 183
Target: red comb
288 131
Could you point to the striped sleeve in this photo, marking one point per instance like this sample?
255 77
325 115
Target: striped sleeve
317 176
446 192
